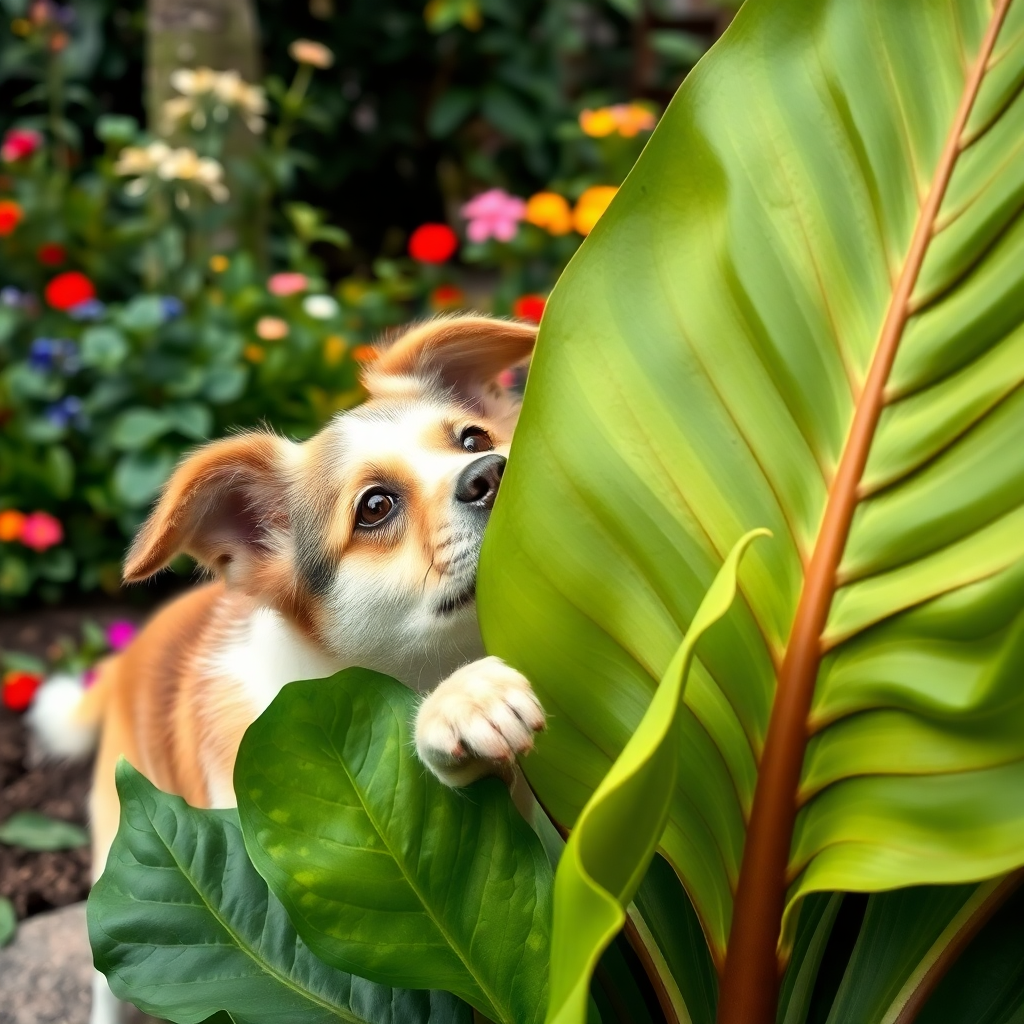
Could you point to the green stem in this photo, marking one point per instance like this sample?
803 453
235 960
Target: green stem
290 106
55 99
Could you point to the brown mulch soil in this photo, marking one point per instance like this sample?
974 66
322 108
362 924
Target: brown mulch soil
39 881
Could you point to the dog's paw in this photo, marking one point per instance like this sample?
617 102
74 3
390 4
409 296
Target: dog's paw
477 721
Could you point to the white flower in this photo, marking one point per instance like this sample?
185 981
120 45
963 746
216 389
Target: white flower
227 88
194 81
182 164
320 307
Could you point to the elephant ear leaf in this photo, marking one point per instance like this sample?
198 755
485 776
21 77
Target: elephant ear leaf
618 831
804 309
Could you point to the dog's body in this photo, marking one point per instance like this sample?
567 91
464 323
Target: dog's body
357 548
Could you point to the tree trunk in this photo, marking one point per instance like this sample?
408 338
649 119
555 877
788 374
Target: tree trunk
219 34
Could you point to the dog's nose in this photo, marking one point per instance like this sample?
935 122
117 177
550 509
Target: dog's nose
478 482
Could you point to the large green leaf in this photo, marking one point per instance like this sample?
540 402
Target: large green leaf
183 926
803 310
384 871
615 837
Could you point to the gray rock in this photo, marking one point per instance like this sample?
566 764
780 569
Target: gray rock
46 972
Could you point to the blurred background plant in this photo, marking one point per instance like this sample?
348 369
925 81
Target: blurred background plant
188 244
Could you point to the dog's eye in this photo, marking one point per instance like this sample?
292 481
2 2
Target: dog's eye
374 507
475 439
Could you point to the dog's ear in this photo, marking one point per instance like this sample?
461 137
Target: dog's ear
464 354
225 505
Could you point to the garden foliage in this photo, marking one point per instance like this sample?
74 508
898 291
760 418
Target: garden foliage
140 311
801 312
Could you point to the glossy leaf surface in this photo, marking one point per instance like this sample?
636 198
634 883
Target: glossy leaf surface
610 849
803 310
183 926
384 871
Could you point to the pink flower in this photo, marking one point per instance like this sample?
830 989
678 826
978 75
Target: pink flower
19 143
120 634
493 214
41 531
287 284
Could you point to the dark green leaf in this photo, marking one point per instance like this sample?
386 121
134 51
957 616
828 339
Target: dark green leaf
138 476
986 984
104 347
34 831
450 110
183 926
817 916
191 419
8 921
668 915
138 428
383 870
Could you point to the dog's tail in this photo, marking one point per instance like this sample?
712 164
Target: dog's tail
66 713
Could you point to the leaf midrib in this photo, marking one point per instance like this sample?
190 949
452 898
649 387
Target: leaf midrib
410 879
243 945
751 972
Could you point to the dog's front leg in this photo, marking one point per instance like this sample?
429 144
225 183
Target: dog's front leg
477 721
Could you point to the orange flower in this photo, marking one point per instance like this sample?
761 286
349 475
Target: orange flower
633 119
254 354
598 123
550 211
271 328
590 206
334 349
365 354
11 215
11 523
219 263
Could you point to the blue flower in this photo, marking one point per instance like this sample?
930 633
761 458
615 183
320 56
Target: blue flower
66 411
42 353
172 307
91 309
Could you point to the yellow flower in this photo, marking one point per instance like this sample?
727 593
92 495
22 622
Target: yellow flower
219 263
598 123
550 211
271 328
306 51
590 206
334 349
21 26
254 353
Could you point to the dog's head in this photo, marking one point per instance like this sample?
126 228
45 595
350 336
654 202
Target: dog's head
367 535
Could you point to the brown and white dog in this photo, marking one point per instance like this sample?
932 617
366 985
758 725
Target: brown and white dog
358 547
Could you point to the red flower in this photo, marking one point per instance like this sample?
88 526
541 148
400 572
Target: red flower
529 307
51 254
19 143
19 689
69 289
40 531
10 216
447 296
433 243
